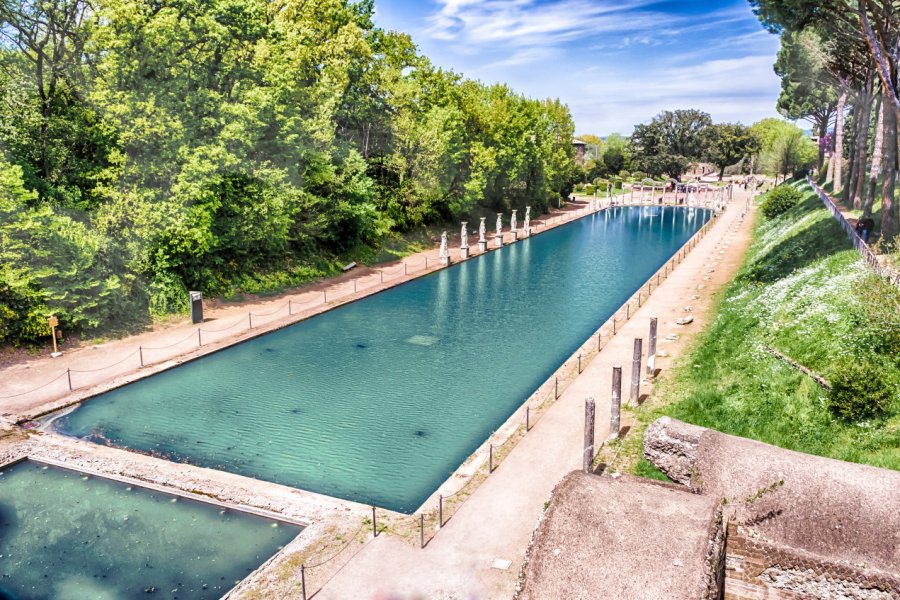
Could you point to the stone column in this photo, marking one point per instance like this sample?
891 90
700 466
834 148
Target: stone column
651 348
615 405
588 434
635 373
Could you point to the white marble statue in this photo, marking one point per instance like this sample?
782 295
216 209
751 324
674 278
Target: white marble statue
527 218
444 252
481 231
464 236
512 221
499 224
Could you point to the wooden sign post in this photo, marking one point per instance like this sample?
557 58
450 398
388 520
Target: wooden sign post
54 323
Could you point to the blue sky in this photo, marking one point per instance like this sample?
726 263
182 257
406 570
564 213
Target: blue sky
615 63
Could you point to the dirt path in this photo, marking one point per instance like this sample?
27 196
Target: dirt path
497 521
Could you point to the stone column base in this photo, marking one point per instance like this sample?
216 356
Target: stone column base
464 253
482 246
445 261
515 235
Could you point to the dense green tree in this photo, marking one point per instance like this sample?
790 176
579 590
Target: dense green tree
730 143
165 145
671 141
808 90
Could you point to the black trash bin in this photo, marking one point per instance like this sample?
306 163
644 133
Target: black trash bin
196 307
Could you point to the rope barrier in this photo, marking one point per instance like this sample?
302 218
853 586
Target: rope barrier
170 345
66 372
107 366
269 314
235 324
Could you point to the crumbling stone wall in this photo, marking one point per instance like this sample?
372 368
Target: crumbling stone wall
758 569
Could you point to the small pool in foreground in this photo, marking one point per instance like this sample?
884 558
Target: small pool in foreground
379 401
67 536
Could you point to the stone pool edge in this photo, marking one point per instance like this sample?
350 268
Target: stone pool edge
20 453
542 398
86 393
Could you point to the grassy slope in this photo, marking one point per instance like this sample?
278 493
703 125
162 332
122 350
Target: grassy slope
798 291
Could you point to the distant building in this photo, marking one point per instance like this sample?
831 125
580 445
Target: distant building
579 150
585 151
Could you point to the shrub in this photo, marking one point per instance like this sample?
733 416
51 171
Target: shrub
589 189
861 389
780 200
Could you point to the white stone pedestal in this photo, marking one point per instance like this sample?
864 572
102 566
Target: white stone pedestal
445 261
498 240
464 253
515 235
482 246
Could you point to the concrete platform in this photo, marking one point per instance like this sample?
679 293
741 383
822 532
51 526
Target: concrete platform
625 538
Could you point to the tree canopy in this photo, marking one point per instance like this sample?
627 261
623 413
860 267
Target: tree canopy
234 145
671 141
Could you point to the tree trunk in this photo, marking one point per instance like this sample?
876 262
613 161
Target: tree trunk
847 193
876 160
839 141
890 219
862 141
823 131
829 176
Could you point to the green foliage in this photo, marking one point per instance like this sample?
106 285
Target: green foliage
729 143
783 148
671 141
235 145
804 291
589 189
861 389
780 200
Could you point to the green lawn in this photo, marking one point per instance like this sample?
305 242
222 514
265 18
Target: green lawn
803 291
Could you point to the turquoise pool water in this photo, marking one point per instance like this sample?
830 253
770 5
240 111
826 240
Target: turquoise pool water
67 536
381 400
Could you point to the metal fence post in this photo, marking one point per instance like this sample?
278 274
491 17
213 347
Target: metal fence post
141 354
69 377
250 319
491 459
421 530
290 309
440 510
374 524
303 581
527 418
199 338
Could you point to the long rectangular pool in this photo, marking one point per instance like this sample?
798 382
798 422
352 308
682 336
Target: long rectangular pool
379 401
67 536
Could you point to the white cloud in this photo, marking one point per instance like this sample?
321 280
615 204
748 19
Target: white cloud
527 23
738 89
